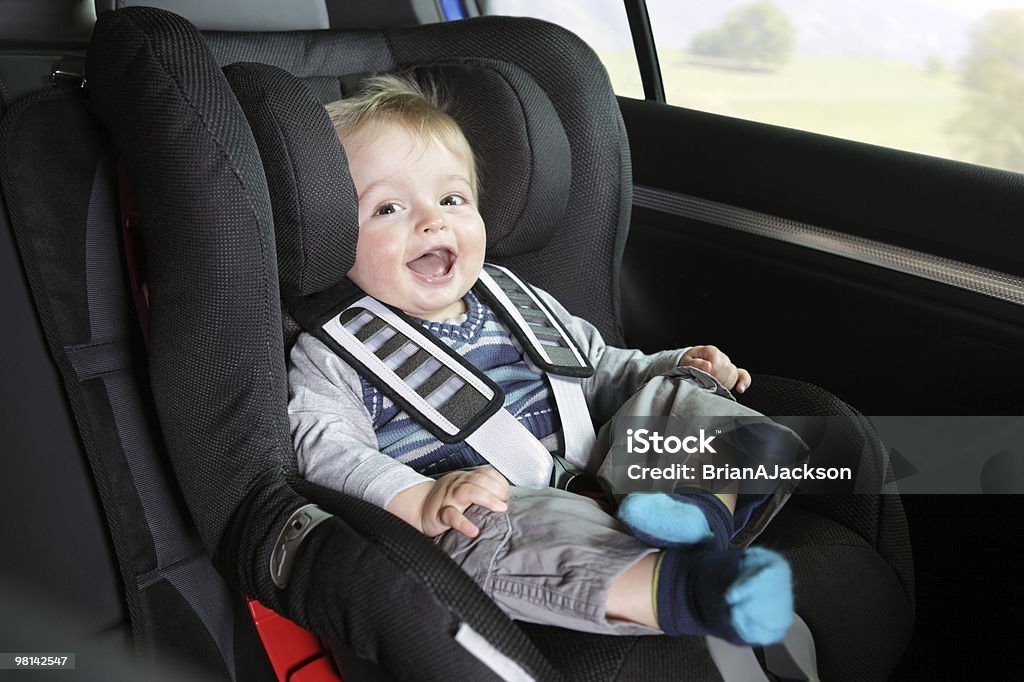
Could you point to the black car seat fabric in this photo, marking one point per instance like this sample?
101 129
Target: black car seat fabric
218 357
98 535
46 489
291 127
301 153
299 146
46 484
850 553
594 223
69 247
218 379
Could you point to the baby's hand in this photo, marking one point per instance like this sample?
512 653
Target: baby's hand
453 493
717 364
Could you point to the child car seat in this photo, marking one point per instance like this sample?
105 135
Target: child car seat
218 370
295 138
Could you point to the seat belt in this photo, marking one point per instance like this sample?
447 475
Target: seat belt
735 663
553 350
440 389
162 562
181 561
454 400
795 657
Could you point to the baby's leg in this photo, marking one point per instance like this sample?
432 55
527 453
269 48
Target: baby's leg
742 596
684 517
557 559
698 510
551 559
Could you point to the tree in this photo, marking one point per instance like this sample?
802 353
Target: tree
758 35
934 65
991 128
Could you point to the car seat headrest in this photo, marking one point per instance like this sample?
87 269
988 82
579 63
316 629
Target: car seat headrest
522 150
312 196
294 15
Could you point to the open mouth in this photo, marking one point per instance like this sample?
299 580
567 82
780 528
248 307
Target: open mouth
434 264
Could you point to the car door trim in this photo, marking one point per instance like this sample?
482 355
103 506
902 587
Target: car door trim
973 278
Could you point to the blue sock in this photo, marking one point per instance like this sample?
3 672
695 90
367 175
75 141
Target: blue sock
688 516
744 596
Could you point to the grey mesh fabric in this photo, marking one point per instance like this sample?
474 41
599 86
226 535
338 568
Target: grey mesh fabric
314 201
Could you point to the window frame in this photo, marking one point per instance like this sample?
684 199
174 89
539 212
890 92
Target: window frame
645 49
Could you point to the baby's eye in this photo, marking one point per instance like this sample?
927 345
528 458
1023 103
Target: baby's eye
453 200
386 209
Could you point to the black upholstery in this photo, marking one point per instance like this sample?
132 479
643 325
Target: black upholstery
170 593
593 228
314 224
850 553
827 529
214 234
217 368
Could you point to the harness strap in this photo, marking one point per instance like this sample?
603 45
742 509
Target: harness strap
795 657
551 348
735 663
180 558
537 328
454 400
436 386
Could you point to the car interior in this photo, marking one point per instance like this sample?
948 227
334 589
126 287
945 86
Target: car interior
172 197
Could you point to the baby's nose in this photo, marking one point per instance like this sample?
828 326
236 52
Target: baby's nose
432 222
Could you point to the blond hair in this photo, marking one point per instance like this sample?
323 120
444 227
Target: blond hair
401 100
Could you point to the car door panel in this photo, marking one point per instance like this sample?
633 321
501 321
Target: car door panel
886 340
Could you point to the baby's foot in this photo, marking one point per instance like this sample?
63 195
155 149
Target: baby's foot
742 596
761 597
682 518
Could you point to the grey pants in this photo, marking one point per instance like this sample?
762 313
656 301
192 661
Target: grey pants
549 559
552 557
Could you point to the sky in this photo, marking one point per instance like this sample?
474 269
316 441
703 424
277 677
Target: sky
907 30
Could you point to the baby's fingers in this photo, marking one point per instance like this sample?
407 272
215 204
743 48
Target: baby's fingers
492 480
468 494
728 375
703 365
744 381
456 520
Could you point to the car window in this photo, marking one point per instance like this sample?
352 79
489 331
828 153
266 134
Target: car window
940 77
601 23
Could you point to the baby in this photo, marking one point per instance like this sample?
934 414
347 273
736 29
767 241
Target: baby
544 555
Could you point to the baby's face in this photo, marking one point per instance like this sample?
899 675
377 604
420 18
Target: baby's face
421 238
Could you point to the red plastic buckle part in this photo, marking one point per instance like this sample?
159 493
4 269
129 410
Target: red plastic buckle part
296 655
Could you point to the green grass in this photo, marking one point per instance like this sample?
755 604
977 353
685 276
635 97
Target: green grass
874 100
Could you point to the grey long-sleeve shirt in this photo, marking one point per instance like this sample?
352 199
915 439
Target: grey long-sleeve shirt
333 433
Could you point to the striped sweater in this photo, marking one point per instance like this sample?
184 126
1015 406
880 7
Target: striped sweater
350 438
486 343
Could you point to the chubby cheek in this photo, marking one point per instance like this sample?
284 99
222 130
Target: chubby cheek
378 261
473 243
